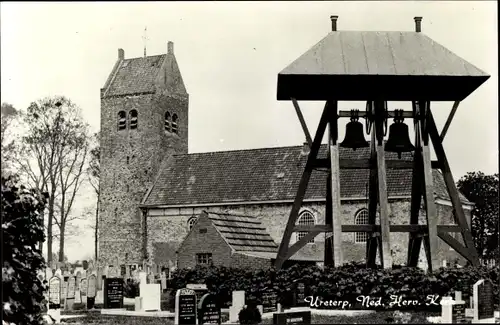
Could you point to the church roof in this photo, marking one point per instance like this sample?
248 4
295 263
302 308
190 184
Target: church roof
242 233
358 65
267 174
135 75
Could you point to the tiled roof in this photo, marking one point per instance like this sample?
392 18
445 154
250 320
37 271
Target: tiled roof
266 174
407 65
135 75
243 233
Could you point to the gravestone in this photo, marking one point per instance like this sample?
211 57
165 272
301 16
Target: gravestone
483 302
269 301
297 317
70 295
163 281
83 290
151 297
113 293
54 305
91 291
64 291
458 309
209 310
185 307
300 294
238 301
199 289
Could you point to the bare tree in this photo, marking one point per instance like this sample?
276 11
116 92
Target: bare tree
52 157
8 116
93 173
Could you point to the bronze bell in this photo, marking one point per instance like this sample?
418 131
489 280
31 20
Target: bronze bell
354 136
399 139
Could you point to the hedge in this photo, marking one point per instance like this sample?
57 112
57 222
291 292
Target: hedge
343 283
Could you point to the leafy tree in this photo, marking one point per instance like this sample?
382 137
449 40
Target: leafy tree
8 116
22 230
52 157
93 173
482 190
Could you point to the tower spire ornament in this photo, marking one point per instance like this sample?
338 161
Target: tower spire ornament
145 39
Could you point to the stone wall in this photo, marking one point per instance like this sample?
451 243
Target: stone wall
171 225
130 161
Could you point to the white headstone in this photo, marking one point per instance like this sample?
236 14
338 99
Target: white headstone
151 297
237 304
446 310
163 280
54 301
48 273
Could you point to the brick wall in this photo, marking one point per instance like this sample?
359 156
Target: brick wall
172 225
130 161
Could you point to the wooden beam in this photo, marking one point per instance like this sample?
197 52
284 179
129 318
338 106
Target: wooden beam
372 244
301 191
376 228
448 121
300 243
328 253
452 189
362 114
415 242
430 204
457 246
382 191
302 121
368 163
335 186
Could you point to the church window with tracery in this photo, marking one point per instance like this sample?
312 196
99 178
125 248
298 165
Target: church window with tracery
133 119
122 120
306 218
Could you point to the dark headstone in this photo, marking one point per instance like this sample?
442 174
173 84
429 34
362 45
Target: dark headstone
113 293
209 310
185 307
300 294
54 293
485 300
269 301
458 314
298 317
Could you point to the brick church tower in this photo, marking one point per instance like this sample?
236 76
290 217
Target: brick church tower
144 120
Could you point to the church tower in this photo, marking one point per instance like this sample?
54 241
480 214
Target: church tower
144 119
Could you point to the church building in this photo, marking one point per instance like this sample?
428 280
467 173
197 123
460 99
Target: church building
153 191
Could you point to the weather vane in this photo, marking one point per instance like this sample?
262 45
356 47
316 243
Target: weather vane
145 38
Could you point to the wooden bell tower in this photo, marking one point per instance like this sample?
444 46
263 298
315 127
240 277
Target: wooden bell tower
378 67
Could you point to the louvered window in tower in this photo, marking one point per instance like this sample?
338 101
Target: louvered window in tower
167 122
122 120
174 123
133 119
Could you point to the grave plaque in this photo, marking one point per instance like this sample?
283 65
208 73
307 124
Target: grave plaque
298 317
71 287
208 310
185 307
54 293
300 294
269 301
485 300
113 293
91 291
458 314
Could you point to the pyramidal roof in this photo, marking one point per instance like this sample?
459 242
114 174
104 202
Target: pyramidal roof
357 65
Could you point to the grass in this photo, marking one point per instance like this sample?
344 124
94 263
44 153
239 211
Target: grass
95 317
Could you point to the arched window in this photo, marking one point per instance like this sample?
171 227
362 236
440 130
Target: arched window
361 218
191 222
306 218
167 122
133 119
122 120
174 123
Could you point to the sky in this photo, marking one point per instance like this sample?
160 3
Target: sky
229 54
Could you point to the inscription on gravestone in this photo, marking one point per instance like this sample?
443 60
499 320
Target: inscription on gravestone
185 307
300 294
298 317
458 314
269 301
113 293
54 293
485 300
208 310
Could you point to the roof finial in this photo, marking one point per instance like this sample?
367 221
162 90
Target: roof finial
145 39
334 22
418 24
